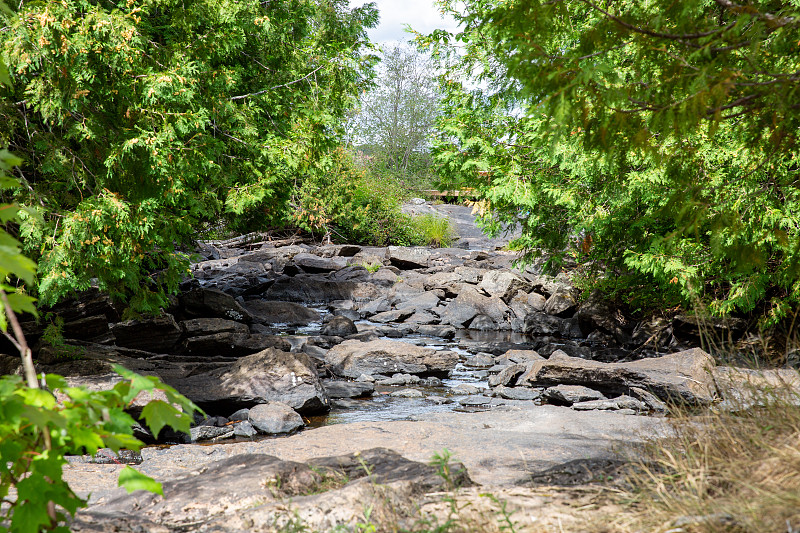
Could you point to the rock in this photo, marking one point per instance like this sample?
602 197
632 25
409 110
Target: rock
466 388
157 335
275 418
570 394
407 258
423 302
650 400
315 264
278 312
232 344
196 327
339 326
475 401
407 393
445 332
205 302
244 429
448 282
317 289
596 313
743 388
542 324
508 376
351 314
520 356
682 377
347 389
392 316
400 379
481 360
562 303
483 323
536 301
470 303
364 378
209 432
353 358
503 284
384 276
439 400
613 404
517 393
654 333
257 492
423 318
240 415
269 375
379 305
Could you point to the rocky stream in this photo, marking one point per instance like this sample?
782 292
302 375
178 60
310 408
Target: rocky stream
332 374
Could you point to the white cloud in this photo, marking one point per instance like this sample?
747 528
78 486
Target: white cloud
421 15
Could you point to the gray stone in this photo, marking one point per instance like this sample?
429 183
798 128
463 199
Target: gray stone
157 335
520 356
278 312
407 393
208 432
339 326
508 376
483 323
384 276
422 318
269 375
570 394
562 303
683 377
470 275
400 379
274 418
424 302
407 258
379 305
317 289
612 404
244 429
475 401
392 316
439 400
503 284
470 303
445 332
241 414
314 263
353 358
206 302
466 388
196 327
347 389
481 360
541 324
517 393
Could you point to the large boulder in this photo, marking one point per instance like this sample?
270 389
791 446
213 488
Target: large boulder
314 263
205 302
317 289
683 377
280 312
269 375
274 418
339 326
408 258
158 334
353 358
470 303
503 284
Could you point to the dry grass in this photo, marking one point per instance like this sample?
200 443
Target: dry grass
736 470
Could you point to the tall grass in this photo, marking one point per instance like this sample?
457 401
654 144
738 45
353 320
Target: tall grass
734 470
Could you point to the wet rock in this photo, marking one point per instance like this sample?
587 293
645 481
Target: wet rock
316 289
400 379
682 377
570 394
439 400
206 302
466 388
407 393
483 323
378 305
475 401
353 358
407 258
278 312
339 326
157 335
538 323
201 433
348 389
520 356
273 418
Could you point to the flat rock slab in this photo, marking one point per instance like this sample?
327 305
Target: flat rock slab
683 377
353 358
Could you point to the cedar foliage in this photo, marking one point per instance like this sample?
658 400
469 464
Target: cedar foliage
662 133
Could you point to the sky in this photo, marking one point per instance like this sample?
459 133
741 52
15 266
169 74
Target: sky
422 15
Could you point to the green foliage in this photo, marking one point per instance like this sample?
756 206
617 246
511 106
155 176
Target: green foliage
653 142
141 120
37 431
433 230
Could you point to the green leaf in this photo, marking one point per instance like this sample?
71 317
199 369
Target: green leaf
132 480
158 414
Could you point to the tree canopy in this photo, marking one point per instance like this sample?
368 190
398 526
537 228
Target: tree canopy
140 120
654 142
